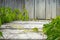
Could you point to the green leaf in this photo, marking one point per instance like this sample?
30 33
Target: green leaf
1 34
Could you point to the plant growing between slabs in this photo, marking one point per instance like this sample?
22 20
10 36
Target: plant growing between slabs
52 30
35 29
32 30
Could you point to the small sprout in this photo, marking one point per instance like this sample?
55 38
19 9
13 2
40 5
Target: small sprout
17 26
35 29
25 30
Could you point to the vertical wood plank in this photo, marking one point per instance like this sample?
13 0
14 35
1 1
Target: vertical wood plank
48 9
12 4
53 8
29 4
58 7
40 9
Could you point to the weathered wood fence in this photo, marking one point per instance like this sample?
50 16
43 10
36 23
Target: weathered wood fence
40 9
